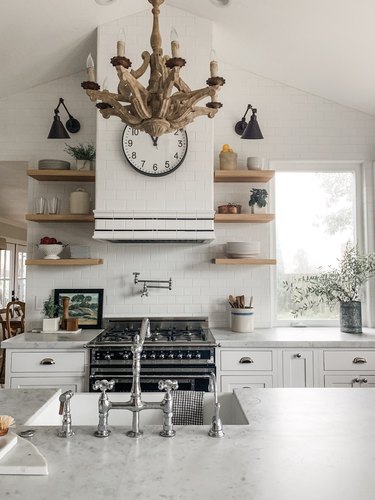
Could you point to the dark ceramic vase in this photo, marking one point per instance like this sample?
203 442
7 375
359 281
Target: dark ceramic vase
351 317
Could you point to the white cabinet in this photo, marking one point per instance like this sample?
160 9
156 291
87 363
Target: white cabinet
348 367
298 368
54 368
246 368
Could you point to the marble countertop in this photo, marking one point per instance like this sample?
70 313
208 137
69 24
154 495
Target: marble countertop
32 340
300 443
294 337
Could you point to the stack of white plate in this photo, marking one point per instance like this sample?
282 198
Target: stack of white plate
53 165
243 249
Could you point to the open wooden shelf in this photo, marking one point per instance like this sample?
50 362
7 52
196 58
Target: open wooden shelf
247 261
236 218
62 175
64 262
60 218
243 175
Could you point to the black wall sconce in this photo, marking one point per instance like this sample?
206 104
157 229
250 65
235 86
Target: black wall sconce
249 130
58 130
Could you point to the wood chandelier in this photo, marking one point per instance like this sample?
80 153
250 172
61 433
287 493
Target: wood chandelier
155 109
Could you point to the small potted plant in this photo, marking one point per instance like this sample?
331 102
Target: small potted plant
84 155
50 322
258 197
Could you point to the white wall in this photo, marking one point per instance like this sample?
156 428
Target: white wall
295 125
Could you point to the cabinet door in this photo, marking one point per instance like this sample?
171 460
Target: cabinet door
298 368
355 381
230 382
75 384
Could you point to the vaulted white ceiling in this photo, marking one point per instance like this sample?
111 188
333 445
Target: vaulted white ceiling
325 47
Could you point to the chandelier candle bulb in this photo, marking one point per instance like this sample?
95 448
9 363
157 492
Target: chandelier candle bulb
175 44
214 68
105 84
121 43
90 67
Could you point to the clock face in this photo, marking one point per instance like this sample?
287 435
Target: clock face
154 156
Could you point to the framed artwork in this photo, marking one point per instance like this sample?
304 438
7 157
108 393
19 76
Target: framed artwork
85 304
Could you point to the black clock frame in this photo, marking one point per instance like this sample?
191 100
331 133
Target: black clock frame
155 174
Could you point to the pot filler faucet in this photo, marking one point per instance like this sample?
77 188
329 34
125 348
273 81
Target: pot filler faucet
135 403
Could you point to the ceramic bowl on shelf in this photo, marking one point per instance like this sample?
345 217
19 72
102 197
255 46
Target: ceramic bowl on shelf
51 251
242 249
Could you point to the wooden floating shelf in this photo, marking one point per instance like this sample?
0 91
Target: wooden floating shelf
243 175
64 262
236 218
247 261
60 218
62 175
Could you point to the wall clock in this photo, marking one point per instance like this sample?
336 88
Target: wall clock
154 156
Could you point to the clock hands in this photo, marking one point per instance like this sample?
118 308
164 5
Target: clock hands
154 140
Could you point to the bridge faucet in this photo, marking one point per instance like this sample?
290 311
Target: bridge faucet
135 403
216 429
66 428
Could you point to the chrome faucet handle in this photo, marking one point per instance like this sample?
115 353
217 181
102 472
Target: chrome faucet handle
64 410
168 385
103 385
167 405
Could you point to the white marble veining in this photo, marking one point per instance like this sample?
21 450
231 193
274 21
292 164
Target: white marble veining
32 340
301 443
295 337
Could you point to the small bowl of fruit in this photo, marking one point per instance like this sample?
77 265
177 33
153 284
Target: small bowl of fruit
51 247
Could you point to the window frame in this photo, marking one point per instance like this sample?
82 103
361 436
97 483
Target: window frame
325 166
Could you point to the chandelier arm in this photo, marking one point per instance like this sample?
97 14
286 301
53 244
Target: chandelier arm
142 69
181 86
124 114
194 96
199 111
141 95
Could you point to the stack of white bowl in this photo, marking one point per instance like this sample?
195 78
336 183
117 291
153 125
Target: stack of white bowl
243 249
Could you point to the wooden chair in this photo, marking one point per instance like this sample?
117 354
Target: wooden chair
14 319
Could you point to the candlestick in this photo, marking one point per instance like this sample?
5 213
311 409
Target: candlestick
121 43
214 67
175 44
90 68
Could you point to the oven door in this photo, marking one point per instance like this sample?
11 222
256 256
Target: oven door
188 381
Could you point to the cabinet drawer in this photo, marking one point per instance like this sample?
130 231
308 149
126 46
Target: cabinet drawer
48 362
75 384
246 360
349 360
231 382
355 381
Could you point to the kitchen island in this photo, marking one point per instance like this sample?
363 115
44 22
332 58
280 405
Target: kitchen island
300 444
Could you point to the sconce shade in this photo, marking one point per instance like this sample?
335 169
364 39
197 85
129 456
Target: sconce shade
249 130
252 130
58 130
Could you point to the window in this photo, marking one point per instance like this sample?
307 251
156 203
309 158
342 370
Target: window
316 217
12 273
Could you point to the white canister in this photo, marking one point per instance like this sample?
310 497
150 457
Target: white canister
79 202
242 320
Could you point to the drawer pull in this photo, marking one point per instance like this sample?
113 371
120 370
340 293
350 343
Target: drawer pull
359 361
298 355
246 359
47 361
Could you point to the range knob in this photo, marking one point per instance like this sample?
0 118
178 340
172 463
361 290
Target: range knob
180 355
161 355
126 355
171 355
189 355
143 355
152 355
197 355
107 356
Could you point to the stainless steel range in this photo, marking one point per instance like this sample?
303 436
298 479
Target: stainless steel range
179 348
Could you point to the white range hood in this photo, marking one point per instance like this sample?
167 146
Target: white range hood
154 227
